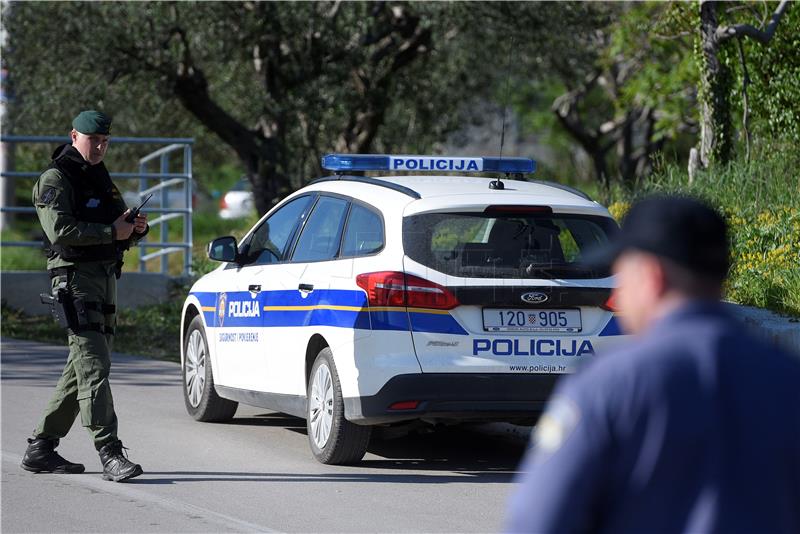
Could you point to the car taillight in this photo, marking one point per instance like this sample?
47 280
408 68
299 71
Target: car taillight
392 288
222 204
611 303
405 405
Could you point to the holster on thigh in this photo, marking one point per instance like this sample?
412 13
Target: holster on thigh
78 313
92 315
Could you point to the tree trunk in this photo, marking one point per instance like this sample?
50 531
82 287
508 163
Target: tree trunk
627 164
600 168
269 185
716 80
257 151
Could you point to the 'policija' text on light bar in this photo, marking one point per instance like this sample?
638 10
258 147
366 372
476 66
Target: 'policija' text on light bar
383 162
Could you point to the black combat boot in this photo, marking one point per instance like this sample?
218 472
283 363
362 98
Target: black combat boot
41 457
116 465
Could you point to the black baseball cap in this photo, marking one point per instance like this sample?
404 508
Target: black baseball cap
679 228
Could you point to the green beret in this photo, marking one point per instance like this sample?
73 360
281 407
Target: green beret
92 122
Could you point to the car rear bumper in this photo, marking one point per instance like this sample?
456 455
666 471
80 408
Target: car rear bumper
455 396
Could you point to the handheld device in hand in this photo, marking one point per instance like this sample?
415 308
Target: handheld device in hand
135 211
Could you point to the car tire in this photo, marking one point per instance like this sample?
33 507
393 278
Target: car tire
199 395
333 439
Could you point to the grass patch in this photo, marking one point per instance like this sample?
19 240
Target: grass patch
20 258
42 328
151 331
206 225
761 202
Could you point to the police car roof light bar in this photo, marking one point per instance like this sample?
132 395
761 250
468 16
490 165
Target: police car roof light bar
384 162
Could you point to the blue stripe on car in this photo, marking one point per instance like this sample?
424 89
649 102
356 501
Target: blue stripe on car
321 307
612 328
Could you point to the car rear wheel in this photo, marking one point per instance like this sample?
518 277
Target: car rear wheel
202 401
333 439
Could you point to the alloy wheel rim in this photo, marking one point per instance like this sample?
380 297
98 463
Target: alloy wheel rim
320 412
195 368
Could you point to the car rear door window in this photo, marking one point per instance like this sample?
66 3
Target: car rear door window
364 232
509 246
322 233
269 241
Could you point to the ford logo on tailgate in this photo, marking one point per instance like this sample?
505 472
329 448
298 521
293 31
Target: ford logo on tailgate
534 297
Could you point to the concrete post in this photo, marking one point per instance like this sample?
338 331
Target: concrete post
6 184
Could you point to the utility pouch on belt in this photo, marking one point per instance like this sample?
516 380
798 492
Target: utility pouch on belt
81 318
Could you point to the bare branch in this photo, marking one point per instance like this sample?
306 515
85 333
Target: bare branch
724 33
565 109
677 36
137 59
334 11
745 105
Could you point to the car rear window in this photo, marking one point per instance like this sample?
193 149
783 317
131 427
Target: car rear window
506 246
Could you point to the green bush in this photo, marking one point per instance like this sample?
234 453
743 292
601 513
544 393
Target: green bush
152 331
158 324
761 202
42 328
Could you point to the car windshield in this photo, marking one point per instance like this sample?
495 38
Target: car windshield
508 246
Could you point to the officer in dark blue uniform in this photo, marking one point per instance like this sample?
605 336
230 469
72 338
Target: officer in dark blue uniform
692 427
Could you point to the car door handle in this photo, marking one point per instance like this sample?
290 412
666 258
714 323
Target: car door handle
254 288
306 287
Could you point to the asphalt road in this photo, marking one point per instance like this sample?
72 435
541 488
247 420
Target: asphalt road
254 474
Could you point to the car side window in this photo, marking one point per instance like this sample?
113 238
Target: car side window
364 232
268 243
321 234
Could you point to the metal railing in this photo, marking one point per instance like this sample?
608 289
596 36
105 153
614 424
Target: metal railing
161 204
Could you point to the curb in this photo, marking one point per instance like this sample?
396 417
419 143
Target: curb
21 289
780 329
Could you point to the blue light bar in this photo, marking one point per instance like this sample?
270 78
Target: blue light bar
383 162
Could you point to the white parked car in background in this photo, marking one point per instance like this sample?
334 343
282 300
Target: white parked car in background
360 301
238 202
175 197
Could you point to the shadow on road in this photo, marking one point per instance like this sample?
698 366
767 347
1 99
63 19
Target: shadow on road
37 364
173 477
461 451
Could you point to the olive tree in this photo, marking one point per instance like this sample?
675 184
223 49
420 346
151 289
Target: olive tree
280 83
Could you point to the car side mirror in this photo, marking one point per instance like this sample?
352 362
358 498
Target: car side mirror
223 249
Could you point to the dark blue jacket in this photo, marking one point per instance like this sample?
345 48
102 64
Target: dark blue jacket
692 427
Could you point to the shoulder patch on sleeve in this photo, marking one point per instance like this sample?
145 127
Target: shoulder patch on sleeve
555 425
47 195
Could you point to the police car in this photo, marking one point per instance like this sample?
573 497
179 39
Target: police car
362 301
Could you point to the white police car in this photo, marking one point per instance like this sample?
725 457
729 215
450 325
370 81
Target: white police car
363 301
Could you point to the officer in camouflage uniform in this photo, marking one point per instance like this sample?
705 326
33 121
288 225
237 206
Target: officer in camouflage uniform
83 217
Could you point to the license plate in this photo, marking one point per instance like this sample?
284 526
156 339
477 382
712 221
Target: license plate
542 320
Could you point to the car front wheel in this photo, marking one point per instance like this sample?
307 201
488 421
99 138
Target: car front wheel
333 439
202 401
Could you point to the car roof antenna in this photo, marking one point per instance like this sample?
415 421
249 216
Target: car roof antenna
498 184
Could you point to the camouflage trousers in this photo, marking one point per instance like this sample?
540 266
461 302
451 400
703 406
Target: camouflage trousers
83 387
